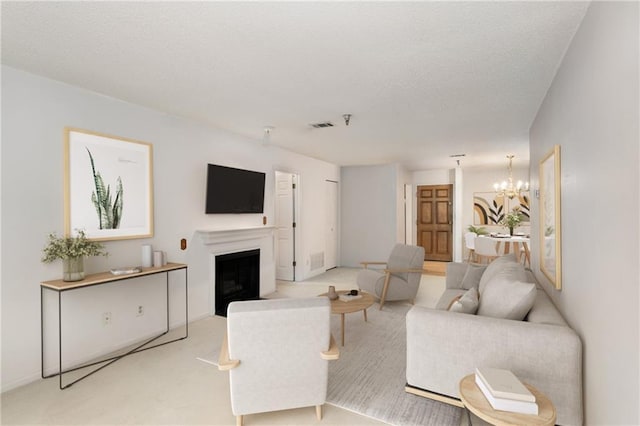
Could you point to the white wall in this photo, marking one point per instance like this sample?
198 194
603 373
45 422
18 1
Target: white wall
591 111
34 113
370 218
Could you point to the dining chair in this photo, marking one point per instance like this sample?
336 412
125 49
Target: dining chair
485 248
469 240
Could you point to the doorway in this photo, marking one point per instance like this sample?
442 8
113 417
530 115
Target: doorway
331 229
285 222
435 221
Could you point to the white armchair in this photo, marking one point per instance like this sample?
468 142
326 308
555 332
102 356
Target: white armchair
277 354
399 280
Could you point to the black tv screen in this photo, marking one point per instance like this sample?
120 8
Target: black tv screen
231 190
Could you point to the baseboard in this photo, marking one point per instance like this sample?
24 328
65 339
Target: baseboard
433 395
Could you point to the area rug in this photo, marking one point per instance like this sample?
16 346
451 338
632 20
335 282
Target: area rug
369 378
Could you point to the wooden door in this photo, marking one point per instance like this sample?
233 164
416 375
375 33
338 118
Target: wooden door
435 217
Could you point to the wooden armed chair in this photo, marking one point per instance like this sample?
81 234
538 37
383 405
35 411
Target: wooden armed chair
400 279
277 353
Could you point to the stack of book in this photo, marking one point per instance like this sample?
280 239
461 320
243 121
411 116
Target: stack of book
505 392
349 297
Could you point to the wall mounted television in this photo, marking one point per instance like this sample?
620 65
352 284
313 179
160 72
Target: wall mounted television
231 190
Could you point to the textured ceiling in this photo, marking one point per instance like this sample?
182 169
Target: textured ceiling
422 80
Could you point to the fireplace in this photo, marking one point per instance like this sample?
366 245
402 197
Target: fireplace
237 277
220 242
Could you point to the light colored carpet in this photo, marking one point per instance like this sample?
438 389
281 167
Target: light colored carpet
369 377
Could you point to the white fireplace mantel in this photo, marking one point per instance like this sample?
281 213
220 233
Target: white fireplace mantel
224 241
222 236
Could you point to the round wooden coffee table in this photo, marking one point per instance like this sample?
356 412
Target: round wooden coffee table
474 401
342 308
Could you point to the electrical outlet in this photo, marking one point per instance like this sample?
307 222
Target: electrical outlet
106 318
140 311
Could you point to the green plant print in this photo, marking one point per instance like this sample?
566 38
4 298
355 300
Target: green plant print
109 210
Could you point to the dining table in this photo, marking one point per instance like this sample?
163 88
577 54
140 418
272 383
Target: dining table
510 240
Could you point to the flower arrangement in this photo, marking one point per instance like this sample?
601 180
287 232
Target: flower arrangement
71 247
512 219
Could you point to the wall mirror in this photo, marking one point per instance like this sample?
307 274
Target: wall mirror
550 225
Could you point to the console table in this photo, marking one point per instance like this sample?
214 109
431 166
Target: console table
103 278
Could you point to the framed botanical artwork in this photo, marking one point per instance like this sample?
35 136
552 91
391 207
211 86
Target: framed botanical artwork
488 208
550 225
108 186
523 202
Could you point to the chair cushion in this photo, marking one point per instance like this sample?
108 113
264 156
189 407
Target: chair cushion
507 299
473 276
467 304
406 257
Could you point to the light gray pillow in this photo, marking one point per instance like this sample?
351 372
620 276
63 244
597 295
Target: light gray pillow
507 299
472 276
494 267
503 269
467 304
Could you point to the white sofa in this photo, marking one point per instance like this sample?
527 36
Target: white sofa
541 349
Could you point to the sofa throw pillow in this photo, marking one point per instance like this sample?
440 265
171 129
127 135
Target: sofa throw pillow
505 268
467 304
454 300
507 299
472 276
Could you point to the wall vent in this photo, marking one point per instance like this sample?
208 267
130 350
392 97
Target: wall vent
321 125
317 261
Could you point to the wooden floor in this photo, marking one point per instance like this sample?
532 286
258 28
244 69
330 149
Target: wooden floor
435 268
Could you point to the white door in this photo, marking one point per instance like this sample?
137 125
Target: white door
331 230
285 228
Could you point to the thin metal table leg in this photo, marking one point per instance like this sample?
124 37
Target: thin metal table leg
60 338
41 332
167 301
186 303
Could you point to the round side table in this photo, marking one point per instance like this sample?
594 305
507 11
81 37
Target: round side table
474 401
342 308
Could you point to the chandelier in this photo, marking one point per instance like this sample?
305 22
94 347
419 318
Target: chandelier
507 188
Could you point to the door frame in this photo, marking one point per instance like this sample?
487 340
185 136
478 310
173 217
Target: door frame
297 236
452 224
455 179
337 224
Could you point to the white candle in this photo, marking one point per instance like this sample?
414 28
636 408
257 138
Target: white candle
147 256
157 258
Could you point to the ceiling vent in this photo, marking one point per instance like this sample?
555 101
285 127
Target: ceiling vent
321 125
